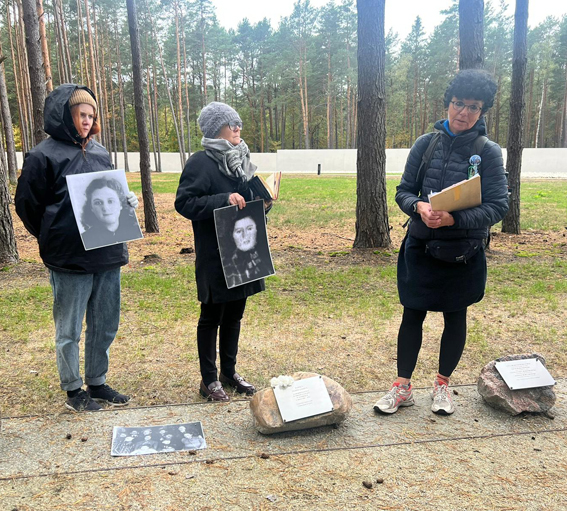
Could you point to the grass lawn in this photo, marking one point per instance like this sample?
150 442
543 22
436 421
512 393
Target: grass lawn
329 309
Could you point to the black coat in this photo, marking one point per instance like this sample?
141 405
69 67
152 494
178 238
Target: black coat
202 189
42 199
425 283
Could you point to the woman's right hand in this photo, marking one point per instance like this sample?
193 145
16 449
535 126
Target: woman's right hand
434 219
235 199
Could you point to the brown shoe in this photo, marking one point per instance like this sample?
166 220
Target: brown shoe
214 392
238 383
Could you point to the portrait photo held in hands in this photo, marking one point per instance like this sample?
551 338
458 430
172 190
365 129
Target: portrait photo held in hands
243 243
103 214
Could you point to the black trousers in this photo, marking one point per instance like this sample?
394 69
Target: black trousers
224 319
411 334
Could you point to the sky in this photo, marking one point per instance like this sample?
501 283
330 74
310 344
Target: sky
400 14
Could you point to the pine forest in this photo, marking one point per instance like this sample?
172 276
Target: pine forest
295 85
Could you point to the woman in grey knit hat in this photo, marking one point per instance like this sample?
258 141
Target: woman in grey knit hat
214 178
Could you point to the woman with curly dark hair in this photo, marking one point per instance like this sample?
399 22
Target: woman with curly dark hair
442 264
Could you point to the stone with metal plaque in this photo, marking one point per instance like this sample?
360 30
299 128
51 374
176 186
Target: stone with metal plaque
524 374
303 398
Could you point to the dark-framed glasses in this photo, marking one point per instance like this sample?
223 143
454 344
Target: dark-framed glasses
235 126
459 105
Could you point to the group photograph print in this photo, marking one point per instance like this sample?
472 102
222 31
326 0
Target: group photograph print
132 441
101 209
243 243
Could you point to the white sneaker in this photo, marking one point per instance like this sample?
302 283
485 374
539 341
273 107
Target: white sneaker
399 395
442 400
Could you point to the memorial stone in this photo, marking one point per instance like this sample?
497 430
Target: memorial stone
268 420
493 389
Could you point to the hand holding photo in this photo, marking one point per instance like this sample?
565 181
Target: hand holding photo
243 243
104 208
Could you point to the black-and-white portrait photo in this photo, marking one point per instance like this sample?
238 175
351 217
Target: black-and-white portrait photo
243 243
101 209
154 439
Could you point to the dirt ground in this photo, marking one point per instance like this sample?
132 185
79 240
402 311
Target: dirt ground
316 244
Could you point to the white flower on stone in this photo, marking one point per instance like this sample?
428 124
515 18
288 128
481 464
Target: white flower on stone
282 381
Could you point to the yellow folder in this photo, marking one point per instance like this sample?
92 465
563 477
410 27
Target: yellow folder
462 195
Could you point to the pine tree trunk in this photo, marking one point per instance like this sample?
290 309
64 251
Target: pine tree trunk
563 138
282 135
65 43
527 135
303 94
121 100
179 89
372 225
511 222
24 76
150 215
93 75
158 168
35 65
44 47
8 249
17 81
174 117
471 34
151 116
113 120
186 86
329 98
204 58
497 112
540 131
7 124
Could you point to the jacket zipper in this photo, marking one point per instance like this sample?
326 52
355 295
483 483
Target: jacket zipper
446 162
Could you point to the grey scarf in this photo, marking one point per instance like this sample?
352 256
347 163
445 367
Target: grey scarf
232 160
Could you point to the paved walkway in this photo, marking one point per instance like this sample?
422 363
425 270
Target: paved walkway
476 459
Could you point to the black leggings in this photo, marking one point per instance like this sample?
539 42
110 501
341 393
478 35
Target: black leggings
227 316
411 334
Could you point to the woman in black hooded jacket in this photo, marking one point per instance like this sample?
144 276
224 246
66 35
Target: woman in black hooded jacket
83 282
427 283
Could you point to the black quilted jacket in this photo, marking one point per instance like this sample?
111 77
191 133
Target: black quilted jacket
449 165
42 199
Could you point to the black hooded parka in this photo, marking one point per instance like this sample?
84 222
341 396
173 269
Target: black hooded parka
42 199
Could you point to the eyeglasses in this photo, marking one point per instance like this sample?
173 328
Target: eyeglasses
459 105
235 126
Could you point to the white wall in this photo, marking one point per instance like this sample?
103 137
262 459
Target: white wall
545 163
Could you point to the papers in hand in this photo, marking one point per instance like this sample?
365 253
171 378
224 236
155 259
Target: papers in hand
462 195
266 188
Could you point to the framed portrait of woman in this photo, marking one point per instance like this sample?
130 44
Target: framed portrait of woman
101 209
243 243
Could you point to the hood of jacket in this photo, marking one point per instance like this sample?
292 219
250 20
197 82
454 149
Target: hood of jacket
57 119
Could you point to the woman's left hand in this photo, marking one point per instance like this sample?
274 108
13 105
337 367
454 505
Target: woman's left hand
443 219
132 200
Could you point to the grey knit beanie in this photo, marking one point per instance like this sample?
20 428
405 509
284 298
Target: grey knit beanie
216 115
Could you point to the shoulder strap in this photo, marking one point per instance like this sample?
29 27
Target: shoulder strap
478 147
426 158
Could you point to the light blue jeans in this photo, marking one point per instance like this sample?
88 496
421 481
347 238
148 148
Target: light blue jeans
97 295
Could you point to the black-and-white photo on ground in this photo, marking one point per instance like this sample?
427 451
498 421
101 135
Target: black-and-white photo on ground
101 209
154 439
243 243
